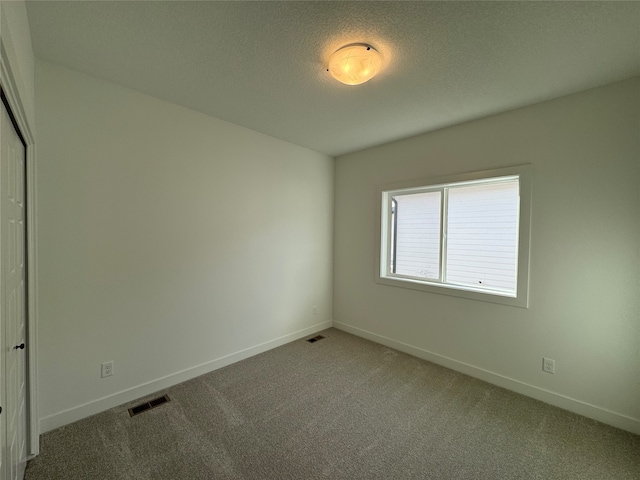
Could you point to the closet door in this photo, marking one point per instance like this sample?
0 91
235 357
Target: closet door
13 333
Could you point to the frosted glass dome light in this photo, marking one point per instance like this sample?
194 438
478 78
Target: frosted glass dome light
355 64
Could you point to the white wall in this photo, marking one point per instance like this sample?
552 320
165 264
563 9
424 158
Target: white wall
169 242
584 303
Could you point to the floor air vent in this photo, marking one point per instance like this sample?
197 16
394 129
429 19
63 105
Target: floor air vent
156 402
315 339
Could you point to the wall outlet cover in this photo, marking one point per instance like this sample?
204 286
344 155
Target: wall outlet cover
548 365
107 369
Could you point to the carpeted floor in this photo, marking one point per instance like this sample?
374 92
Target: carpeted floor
340 408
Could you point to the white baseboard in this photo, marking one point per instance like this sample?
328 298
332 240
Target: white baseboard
96 406
567 403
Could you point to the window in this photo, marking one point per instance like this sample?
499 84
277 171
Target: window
466 235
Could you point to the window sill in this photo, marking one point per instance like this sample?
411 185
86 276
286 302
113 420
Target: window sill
456 291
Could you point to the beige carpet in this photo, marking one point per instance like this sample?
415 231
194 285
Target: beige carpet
340 408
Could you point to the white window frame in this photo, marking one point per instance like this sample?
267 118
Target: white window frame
384 195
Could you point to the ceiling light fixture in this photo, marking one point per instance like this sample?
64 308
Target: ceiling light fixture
355 63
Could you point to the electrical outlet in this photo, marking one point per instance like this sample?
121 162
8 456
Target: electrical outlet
314 310
107 369
548 365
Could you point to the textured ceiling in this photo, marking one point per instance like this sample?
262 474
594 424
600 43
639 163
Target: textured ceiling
263 64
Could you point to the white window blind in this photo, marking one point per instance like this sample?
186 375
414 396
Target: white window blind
482 235
417 223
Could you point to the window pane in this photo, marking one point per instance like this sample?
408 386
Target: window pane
482 235
418 235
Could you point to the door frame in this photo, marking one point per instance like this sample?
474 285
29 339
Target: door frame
26 129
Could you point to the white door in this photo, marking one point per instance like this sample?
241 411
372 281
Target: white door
13 333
